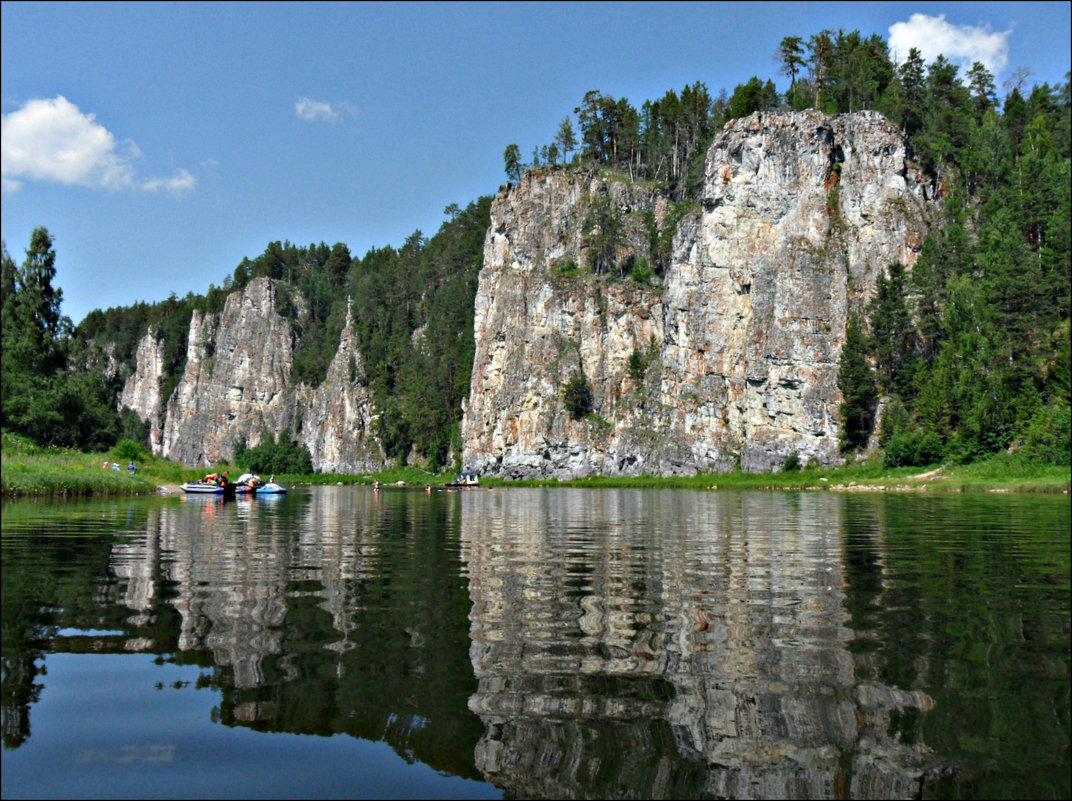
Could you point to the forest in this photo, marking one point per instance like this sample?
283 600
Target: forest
962 356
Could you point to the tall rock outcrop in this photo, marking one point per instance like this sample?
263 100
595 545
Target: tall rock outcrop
733 358
338 419
142 391
236 382
237 386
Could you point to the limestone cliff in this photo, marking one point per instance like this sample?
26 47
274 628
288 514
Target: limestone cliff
237 387
142 390
732 357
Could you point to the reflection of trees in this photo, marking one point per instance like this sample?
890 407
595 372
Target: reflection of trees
673 644
334 612
969 595
42 588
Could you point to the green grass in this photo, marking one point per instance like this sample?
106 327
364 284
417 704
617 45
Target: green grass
998 474
28 469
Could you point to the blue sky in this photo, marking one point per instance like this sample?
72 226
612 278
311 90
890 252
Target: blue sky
162 143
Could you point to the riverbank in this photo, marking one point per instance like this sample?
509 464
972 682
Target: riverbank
1002 473
31 470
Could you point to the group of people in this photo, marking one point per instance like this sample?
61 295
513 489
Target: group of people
131 467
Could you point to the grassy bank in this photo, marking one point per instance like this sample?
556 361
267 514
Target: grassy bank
30 470
1001 473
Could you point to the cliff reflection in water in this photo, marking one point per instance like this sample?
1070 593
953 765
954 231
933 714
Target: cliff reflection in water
674 644
327 612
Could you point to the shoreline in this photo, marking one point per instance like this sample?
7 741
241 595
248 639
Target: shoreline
36 472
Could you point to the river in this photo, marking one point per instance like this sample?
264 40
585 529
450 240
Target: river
542 643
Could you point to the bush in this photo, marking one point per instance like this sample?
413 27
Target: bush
132 427
578 396
1048 437
914 449
792 462
641 272
638 365
127 450
567 267
279 455
895 420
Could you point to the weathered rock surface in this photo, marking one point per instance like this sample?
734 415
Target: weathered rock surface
738 345
237 387
338 418
142 391
731 358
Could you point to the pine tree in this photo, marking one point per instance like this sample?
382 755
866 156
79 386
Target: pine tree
893 335
857 385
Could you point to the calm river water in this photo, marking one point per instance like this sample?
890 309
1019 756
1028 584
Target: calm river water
552 643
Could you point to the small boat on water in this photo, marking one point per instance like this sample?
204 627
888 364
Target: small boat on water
212 484
250 484
467 478
201 488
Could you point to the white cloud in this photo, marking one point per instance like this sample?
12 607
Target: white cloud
961 44
315 110
52 140
179 184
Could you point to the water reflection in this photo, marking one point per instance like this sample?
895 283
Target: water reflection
607 625
553 643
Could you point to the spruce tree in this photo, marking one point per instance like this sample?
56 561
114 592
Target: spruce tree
857 385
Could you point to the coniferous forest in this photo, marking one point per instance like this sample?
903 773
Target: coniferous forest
965 355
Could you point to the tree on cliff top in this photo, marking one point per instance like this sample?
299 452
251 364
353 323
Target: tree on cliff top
512 162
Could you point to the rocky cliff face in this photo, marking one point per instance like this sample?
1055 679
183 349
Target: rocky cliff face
732 358
237 387
729 358
142 391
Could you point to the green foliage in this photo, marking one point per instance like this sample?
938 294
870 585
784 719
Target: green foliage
857 385
1048 435
641 272
127 450
512 162
567 267
893 334
895 418
913 448
40 397
755 95
276 455
604 235
792 462
577 396
638 365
